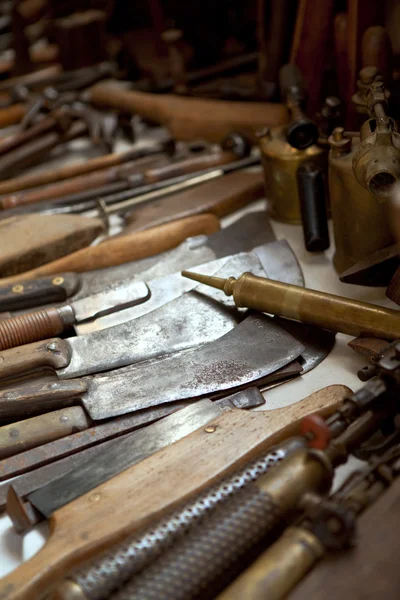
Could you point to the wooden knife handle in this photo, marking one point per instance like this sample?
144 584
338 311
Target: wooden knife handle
33 397
11 115
39 291
54 353
99 518
42 429
125 248
30 327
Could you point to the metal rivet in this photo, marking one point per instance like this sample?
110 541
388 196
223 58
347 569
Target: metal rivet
58 280
17 289
210 429
63 418
14 433
95 498
53 346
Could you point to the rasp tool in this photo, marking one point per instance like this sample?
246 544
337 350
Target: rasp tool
256 348
139 496
335 313
244 234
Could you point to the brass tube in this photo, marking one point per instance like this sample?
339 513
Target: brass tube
336 313
279 569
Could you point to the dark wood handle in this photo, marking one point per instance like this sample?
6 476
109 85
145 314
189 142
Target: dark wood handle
39 291
38 396
53 353
30 327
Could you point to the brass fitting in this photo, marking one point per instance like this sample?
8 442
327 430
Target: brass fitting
376 162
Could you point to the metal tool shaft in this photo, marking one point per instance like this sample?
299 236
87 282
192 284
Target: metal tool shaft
336 313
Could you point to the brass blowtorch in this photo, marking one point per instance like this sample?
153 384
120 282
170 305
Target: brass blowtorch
362 171
287 148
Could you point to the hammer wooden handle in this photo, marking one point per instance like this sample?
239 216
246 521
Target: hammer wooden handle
119 250
191 118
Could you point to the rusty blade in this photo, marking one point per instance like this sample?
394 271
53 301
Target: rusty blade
80 441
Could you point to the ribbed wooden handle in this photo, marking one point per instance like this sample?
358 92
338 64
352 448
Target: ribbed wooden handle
30 327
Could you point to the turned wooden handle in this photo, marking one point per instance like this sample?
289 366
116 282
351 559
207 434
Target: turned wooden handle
30 327
192 118
99 518
53 353
125 248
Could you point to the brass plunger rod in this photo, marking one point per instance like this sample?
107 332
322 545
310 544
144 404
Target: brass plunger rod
336 313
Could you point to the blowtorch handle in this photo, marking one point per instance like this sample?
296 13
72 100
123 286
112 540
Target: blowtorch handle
336 313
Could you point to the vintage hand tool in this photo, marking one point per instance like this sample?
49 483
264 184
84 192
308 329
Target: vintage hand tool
42 324
128 176
110 394
191 118
370 568
220 543
309 306
278 570
301 132
34 180
121 249
62 448
313 207
363 170
227 444
29 241
181 323
220 196
251 230
24 435
91 201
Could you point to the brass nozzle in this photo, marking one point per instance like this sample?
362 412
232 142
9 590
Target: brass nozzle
226 285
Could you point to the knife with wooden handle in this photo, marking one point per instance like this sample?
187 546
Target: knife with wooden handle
138 496
122 249
39 291
21 436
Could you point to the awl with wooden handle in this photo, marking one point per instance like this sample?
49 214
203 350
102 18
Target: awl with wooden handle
98 519
336 313
122 249
191 118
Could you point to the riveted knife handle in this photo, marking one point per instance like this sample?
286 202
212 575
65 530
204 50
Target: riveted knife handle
33 397
54 353
31 327
28 294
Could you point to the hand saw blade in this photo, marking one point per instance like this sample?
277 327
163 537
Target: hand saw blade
122 454
190 320
247 354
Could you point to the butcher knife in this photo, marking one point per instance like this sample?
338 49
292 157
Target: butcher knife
256 348
244 234
189 320
46 439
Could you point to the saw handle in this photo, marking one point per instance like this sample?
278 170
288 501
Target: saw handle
32 327
20 296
